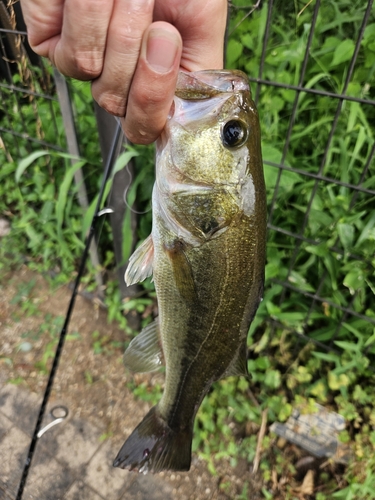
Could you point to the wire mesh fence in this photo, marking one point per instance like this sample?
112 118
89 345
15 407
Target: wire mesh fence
313 83
39 112
316 104
321 176
25 80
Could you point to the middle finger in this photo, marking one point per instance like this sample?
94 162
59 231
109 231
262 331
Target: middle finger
129 20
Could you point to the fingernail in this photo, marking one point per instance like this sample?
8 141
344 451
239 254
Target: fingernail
162 48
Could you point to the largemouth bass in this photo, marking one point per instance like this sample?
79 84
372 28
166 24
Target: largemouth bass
206 253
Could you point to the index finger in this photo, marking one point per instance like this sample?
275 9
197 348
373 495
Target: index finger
80 51
44 22
71 33
129 20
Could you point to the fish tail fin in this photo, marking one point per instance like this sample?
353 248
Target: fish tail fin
153 446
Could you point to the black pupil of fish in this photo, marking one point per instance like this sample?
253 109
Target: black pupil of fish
233 133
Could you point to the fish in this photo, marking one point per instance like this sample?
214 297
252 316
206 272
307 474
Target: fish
206 253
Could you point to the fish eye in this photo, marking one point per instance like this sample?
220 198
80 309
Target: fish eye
234 133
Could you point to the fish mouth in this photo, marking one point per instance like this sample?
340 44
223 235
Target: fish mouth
209 83
211 88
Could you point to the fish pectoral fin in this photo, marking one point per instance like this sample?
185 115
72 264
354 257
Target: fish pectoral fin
239 366
153 446
182 270
144 353
140 263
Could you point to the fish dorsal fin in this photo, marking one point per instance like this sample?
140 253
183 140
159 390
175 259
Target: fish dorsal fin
140 263
182 271
239 365
144 353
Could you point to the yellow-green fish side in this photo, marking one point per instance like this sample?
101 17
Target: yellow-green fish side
206 253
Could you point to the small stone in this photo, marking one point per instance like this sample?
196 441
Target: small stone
4 227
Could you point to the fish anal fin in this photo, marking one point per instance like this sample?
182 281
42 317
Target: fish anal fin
182 270
153 447
239 365
140 263
144 353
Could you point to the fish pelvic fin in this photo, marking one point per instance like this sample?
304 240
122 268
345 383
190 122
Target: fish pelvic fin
144 353
140 263
154 447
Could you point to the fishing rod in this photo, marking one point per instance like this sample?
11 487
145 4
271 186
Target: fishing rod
64 329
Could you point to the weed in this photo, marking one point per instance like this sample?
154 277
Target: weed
23 298
102 344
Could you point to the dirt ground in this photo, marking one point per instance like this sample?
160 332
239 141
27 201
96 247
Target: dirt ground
94 386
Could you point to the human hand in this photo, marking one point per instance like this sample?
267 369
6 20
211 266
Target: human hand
132 50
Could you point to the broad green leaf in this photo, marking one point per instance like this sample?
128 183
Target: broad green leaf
330 357
370 285
120 163
122 160
347 346
272 379
336 382
234 50
354 280
368 232
346 234
343 52
247 40
319 218
325 333
355 331
298 280
270 153
320 250
287 180
63 193
34 237
369 34
26 162
370 340
346 494
262 363
311 129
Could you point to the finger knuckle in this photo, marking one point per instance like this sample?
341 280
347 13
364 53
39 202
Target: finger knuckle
111 103
87 64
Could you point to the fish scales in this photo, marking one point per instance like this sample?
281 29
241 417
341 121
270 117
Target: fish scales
215 319
206 253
